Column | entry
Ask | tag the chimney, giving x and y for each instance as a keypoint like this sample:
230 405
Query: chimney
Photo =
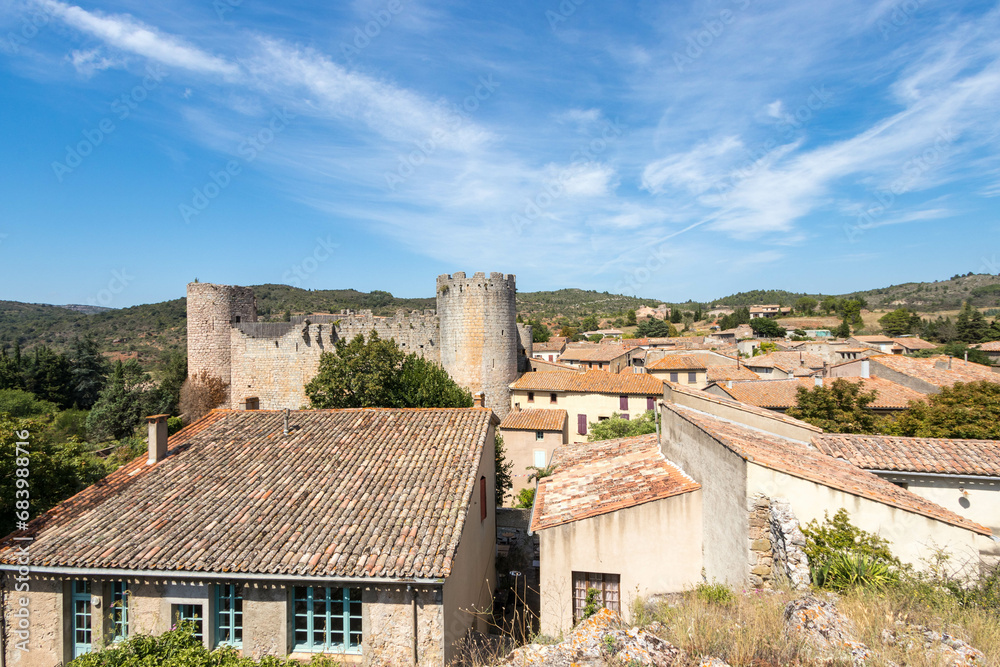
817 381
966 356
729 384
866 368
478 399
157 438
285 429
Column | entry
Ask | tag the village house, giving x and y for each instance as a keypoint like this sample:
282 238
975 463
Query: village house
616 517
586 397
717 494
771 310
878 342
541 366
367 535
960 475
529 438
609 357
549 350
682 368
782 395
926 375
992 350
781 365
911 344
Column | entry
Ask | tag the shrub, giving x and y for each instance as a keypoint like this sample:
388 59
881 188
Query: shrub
200 394
841 555
593 603
20 403
714 593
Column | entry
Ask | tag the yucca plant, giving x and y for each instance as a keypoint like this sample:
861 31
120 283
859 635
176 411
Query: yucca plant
854 570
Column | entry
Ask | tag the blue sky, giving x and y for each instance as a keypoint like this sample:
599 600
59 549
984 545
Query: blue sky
667 149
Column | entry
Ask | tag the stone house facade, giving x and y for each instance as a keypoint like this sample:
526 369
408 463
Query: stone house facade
367 535
530 437
473 334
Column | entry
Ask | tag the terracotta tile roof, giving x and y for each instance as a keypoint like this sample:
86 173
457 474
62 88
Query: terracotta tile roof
876 339
548 346
555 365
928 370
594 478
928 455
723 373
744 407
677 362
606 352
594 382
534 420
856 350
914 343
791 458
359 493
782 394
992 346
786 361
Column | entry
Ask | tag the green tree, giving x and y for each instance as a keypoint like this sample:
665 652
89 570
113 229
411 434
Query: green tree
57 471
377 374
125 400
47 376
675 315
767 328
843 330
20 403
971 325
806 304
539 332
630 318
169 392
736 318
963 410
654 328
590 323
88 370
503 468
850 310
616 427
10 372
898 322
839 408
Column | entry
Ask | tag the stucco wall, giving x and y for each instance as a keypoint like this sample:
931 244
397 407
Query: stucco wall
704 402
913 537
655 548
593 405
388 626
265 620
700 382
521 447
470 586
722 475
47 634
980 501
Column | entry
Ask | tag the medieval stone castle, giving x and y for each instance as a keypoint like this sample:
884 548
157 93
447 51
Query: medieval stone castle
474 335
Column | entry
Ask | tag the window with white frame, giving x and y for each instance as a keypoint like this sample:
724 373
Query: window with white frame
605 592
327 619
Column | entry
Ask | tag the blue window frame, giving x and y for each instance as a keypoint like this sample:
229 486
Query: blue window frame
228 615
190 613
119 611
327 619
82 628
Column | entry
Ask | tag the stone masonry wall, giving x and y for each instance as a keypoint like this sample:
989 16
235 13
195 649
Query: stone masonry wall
479 334
212 310
388 626
473 335
776 545
276 368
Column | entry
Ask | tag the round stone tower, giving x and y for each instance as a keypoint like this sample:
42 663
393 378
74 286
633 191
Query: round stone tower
478 320
212 311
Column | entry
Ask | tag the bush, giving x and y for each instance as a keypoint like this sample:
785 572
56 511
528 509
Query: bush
200 394
841 555
180 648
20 403
714 593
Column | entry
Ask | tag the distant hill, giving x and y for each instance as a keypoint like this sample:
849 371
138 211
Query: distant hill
154 331
983 290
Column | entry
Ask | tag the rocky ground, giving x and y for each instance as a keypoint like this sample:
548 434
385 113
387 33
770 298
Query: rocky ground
827 637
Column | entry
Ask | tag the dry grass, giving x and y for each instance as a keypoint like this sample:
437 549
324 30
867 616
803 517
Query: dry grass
747 630
872 613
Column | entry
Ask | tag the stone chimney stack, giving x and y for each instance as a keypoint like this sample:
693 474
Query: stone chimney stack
478 399
157 438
